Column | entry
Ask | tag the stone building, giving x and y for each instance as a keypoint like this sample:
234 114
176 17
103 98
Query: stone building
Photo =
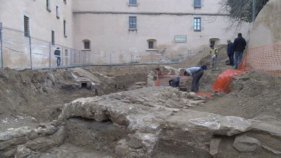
119 31
48 23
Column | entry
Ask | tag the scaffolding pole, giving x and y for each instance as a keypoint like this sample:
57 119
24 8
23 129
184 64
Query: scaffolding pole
1 44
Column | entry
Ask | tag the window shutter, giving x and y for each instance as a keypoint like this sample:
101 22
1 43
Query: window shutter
26 26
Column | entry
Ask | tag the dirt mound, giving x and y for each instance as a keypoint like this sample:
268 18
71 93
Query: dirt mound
148 122
210 75
41 94
252 95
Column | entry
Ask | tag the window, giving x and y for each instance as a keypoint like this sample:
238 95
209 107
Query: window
87 44
64 28
57 12
133 3
48 5
26 26
197 4
197 24
151 43
132 23
53 37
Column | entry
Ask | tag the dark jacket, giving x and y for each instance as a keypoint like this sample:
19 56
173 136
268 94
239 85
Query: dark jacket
230 48
174 82
57 52
239 44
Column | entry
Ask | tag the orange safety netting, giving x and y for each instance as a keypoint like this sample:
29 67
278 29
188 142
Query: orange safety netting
263 59
266 59
205 94
222 84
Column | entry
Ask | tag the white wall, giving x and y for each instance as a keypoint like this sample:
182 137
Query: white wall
179 6
41 20
16 46
105 23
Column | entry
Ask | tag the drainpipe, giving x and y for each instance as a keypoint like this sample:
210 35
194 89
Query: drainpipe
1 44
50 55
30 52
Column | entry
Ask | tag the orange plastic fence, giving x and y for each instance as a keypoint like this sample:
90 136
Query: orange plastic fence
163 79
205 94
222 84
157 82
265 59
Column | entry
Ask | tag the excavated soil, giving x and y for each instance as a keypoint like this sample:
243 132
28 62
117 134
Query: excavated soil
29 97
148 122
253 95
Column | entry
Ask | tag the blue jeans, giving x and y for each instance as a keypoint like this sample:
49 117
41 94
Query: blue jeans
195 80
237 59
231 58
58 61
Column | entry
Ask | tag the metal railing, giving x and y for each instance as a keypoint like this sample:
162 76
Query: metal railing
18 51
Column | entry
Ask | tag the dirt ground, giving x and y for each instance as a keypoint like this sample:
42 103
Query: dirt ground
252 95
31 97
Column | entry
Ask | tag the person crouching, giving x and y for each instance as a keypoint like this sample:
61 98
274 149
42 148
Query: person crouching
196 73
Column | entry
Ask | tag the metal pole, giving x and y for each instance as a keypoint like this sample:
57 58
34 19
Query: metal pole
110 58
131 62
71 57
151 57
79 58
50 55
254 11
131 58
62 56
1 44
30 52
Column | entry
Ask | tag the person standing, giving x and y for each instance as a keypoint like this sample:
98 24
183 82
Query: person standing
196 73
57 55
239 46
230 52
214 56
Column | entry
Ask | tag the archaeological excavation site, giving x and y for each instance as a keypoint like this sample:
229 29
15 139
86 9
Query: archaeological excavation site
153 90
126 112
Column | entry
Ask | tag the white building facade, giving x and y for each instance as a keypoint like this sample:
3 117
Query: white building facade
33 29
119 31
146 30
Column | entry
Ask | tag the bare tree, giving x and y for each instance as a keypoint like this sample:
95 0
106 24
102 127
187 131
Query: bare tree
242 10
